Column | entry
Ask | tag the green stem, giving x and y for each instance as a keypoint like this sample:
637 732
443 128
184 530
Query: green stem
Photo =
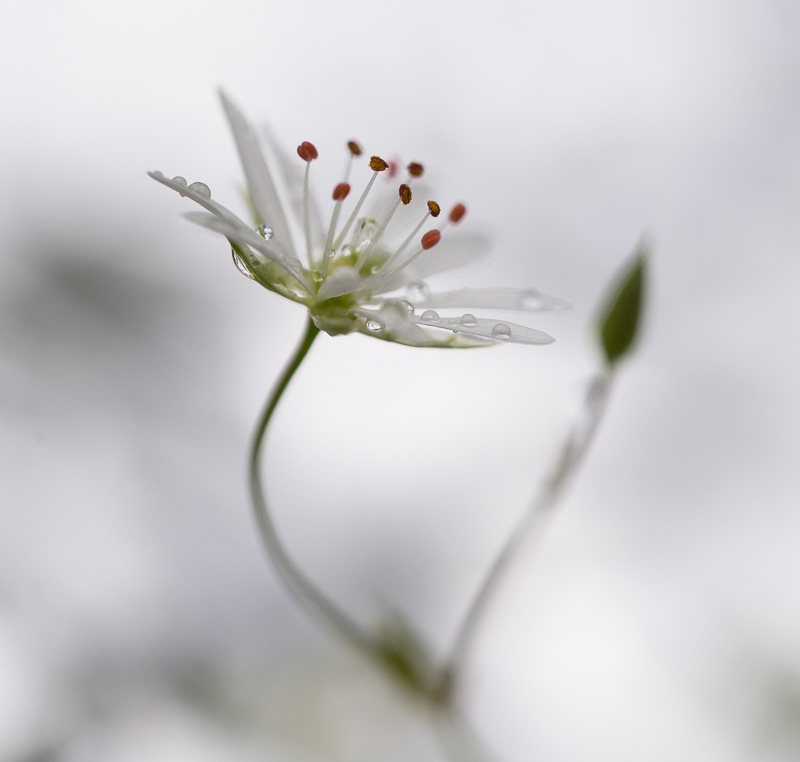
531 523
306 592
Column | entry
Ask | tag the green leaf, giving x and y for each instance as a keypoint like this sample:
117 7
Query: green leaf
621 316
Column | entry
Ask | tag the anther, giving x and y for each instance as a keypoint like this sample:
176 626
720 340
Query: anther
393 165
377 164
430 239
341 191
354 147
405 194
457 212
434 208
415 169
307 151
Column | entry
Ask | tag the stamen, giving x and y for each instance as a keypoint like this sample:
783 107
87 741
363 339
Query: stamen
355 151
377 164
457 213
404 194
430 239
307 152
415 169
340 193
434 208
388 266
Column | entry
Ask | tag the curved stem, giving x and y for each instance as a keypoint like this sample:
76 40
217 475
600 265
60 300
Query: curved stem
531 524
306 592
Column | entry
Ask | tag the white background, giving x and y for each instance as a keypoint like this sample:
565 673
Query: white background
657 621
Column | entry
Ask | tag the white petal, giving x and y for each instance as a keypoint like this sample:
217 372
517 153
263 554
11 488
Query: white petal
262 188
343 280
198 198
456 249
485 328
529 299
397 326
245 234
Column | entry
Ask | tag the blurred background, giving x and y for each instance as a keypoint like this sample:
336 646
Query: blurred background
658 620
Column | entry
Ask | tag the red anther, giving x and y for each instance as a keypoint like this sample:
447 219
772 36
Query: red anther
341 191
377 164
405 194
434 208
354 147
415 169
393 165
457 212
307 151
430 239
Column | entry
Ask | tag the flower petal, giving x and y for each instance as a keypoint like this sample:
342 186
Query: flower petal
485 328
262 188
205 201
244 234
528 299
396 325
456 249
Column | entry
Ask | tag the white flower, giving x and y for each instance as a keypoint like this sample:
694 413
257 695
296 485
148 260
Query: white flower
363 284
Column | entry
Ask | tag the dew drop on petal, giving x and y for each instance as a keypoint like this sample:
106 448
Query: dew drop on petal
468 320
241 266
317 277
430 316
374 269
403 306
501 331
265 231
417 291
178 180
374 325
528 299
201 189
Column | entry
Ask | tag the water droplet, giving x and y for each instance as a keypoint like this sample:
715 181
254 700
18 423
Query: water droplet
265 231
401 305
501 331
529 299
295 263
181 181
468 320
374 269
417 291
430 316
241 266
374 325
366 228
317 277
201 189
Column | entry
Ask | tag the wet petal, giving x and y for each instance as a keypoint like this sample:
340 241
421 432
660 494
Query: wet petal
495 330
528 299
262 188
205 201
391 324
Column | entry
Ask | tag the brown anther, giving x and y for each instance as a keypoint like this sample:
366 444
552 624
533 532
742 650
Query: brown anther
307 151
457 212
430 239
341 191
377 164
415 169
434 208
354 148
405 194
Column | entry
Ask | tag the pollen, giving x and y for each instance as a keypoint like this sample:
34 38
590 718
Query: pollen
405 194
434 208
415 169
341 191
307 151
457 213
354 147
377 164
430 239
